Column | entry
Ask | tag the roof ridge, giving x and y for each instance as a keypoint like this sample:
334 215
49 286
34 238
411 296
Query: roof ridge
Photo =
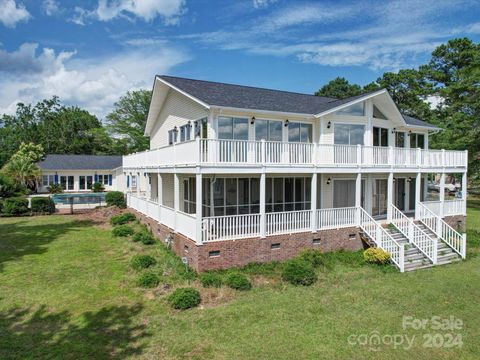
248 86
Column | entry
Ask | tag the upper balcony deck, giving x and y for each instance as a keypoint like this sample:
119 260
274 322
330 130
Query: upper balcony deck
214 153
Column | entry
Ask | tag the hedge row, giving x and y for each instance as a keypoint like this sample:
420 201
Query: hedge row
17 206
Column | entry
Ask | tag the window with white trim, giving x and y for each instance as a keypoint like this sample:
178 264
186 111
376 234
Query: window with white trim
348 134
417 140
357 109
172 137
299 132
185 132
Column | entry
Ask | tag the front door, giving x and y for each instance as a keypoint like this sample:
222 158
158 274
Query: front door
400 193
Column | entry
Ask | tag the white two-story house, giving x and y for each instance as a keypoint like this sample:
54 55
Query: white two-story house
239 174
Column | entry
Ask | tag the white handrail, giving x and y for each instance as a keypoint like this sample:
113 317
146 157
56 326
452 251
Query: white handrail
457 241
382 239
230 227
427 245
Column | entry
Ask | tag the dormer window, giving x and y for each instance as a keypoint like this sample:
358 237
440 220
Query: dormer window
377 114
357 109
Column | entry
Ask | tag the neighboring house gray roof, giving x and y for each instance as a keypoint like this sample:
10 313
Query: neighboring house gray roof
248 97
80 162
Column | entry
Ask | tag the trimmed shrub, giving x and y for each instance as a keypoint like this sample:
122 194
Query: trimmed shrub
15 206
43 205
210 279
376 256
122 230
121 219
115 198
97 187
55 189
238 281
148 280
299 272
142 262
313 257
144 237
184 298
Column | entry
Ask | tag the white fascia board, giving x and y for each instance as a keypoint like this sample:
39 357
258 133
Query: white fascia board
347 104
258 111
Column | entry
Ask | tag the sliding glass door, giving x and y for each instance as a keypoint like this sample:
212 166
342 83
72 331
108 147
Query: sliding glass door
379 201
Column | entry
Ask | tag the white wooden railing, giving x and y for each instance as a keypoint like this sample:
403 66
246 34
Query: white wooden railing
217 228
457 241
336 218
450 207
215 151
426 244
288 222
382 238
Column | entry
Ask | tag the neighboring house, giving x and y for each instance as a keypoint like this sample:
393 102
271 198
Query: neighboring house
77 173
239 174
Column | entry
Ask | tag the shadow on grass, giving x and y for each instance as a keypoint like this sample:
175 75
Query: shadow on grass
105 334
21 238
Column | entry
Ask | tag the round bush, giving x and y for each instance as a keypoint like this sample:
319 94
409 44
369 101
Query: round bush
121 219
313 257
97 187
15 206
144 237
42 205
115 198
238 281
148 280
211 280
299 272
142 261
184 298
376 256
122 230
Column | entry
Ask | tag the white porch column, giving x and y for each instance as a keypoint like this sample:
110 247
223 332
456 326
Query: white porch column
368 137
369 194
313 201
389 196
198 208
442 194
160 195
149 186
358 196
418 191
464 192
425 187
176 196
263 217
139 180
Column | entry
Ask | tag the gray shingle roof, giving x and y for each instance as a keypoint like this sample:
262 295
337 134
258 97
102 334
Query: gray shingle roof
248 97
80 162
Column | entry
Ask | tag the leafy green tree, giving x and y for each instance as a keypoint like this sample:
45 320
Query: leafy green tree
23 171
30 151
126 123
339 88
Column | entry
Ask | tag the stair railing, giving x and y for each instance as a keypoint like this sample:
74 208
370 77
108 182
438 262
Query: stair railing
415 235
457 241
382 238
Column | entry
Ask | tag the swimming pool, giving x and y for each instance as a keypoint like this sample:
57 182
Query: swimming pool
79 198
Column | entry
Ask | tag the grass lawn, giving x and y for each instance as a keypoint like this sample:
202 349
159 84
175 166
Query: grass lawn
67 291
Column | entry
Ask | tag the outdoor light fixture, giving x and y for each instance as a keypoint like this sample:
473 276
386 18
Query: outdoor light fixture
394 130
329 125
253 120
175 130
189 123
329 180
410 133
409 179
286 122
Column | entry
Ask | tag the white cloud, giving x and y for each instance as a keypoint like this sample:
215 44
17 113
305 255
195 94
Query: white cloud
147 10
257 4
94 84
11 13
51 7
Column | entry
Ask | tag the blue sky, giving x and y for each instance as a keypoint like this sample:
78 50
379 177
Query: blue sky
91 52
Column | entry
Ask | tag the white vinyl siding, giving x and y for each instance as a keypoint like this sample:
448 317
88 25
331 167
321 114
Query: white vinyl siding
177 111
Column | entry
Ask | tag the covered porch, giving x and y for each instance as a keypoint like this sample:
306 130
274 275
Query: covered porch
259 205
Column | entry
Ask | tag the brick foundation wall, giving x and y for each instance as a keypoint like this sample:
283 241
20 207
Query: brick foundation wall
234 253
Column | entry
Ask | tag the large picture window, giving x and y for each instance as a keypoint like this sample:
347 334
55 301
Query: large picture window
348 134
269 130
357 109
232 128
299 132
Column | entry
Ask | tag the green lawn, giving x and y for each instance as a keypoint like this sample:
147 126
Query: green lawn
67 291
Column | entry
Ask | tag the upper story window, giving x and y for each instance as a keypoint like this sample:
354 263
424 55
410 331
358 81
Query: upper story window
232 128
400 139
380 136
377 114
270 130
185 132
348 134
357 109
201 129
299 132
172 136
417 140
